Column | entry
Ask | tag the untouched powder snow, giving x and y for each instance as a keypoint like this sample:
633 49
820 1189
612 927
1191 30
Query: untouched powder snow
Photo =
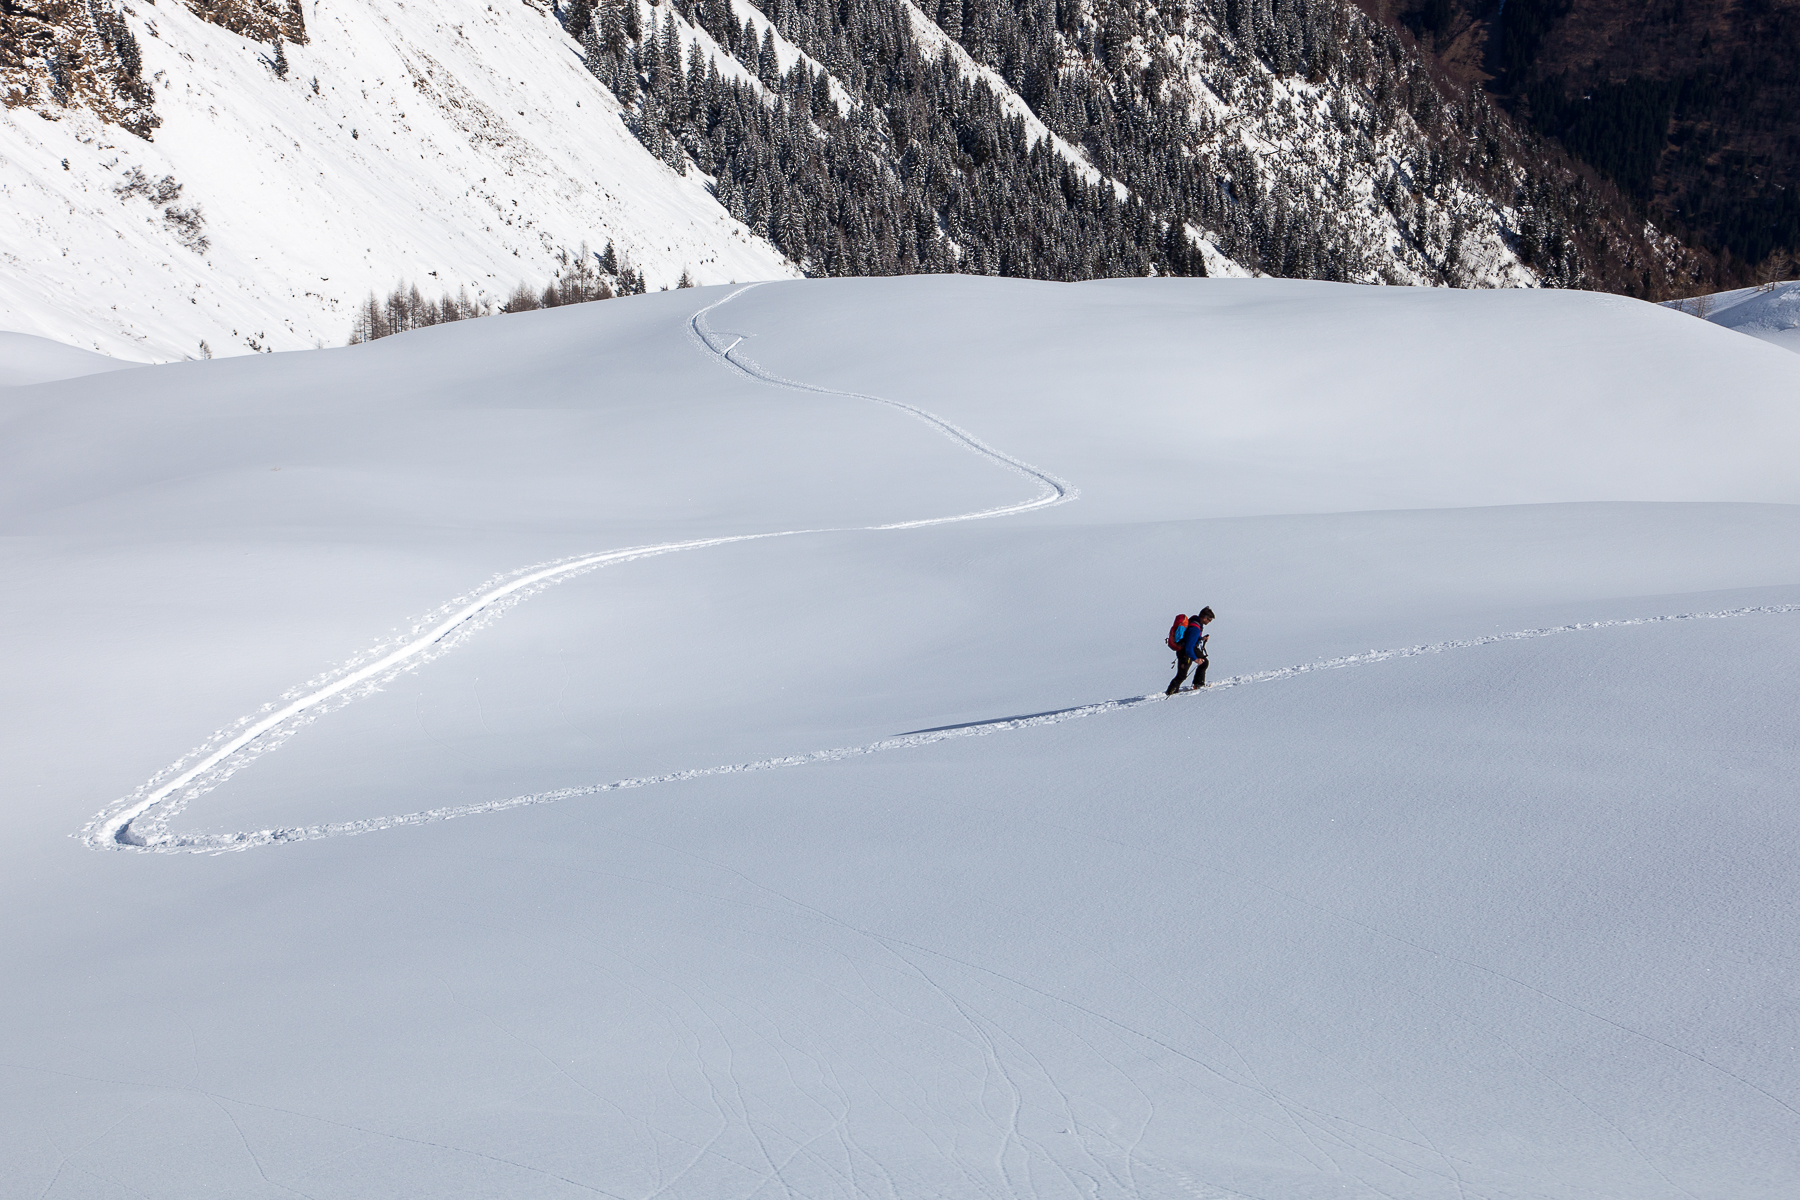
1474 880
26 359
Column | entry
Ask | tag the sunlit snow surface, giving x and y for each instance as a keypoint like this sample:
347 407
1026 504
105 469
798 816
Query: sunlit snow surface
1510 919
1770 313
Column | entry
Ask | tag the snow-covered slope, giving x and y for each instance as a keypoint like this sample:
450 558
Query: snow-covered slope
1309 142
1770 313
458 144
474 147
1368 172
1475 880
25 359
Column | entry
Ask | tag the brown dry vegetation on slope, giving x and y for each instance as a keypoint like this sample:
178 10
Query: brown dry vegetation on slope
1690 108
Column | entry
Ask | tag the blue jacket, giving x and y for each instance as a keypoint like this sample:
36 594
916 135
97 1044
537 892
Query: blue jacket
1192 644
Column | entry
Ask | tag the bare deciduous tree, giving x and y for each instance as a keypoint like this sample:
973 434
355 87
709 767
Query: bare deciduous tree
581 276
1774 269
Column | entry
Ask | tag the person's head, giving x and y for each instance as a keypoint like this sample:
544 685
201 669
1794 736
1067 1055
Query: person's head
1204 616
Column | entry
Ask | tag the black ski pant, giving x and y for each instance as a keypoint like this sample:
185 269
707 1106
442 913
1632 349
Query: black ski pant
1182 662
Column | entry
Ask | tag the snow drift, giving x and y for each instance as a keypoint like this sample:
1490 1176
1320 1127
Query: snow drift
25 359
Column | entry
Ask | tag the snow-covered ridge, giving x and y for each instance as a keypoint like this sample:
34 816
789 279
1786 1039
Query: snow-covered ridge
787 55
25 359
458 144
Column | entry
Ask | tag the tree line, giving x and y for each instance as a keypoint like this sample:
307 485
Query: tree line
870 153
582 276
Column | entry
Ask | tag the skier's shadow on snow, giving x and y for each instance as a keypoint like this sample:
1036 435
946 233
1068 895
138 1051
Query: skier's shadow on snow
1122 702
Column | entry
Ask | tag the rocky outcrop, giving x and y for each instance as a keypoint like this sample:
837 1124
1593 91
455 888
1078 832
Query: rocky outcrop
263 20
57 55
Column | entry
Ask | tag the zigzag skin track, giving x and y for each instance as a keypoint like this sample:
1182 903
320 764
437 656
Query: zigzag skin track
139 821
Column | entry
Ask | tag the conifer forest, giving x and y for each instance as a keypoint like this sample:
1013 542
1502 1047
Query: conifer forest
1299 137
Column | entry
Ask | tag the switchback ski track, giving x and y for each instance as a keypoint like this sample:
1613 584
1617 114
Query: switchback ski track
140 820
206 843
230 750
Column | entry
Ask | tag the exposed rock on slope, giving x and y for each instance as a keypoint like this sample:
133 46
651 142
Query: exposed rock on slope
455 145
1687 106
264 20
1298 139
465 148
62 54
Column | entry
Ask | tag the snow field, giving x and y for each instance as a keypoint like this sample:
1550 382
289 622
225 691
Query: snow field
1504 920
132 825
256 734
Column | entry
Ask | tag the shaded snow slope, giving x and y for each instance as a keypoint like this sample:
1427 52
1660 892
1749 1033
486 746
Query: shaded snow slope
1772 314
455 145
25 359
1507 919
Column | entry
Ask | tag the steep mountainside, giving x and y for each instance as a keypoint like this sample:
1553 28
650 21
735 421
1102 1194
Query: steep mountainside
460 144
301 162
1687 105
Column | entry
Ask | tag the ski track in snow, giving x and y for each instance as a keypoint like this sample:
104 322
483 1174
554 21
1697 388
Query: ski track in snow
159 799
216 843
230 750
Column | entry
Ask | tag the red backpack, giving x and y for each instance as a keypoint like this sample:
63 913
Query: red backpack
1177 630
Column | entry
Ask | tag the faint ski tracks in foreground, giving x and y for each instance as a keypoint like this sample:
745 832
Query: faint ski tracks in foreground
165 794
